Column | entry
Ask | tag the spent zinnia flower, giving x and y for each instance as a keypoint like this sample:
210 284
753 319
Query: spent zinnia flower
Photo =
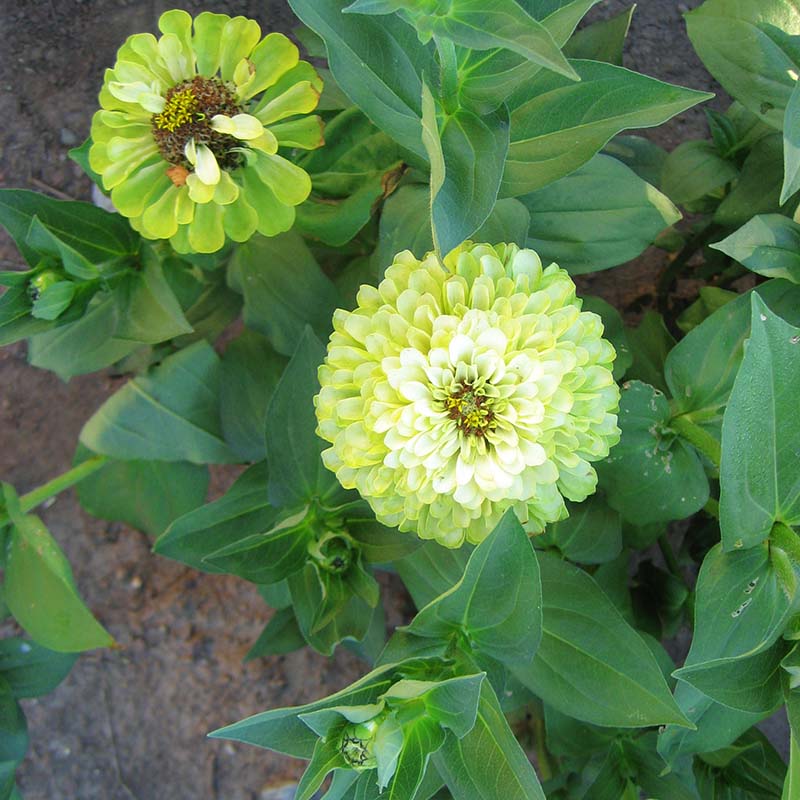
188 132
458 389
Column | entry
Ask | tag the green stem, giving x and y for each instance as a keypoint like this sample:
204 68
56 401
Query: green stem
50 489
712 507
542 756
669 556
698 437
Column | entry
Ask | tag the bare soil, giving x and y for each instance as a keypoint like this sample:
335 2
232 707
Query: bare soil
130 724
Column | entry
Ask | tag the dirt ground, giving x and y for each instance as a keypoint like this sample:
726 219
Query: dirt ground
130 724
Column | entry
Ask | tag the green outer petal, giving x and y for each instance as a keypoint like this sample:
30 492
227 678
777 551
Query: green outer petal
291 184
159 219
206 233
129 196
180 241
272 58
240 220
274 217
302 98
184 211
179 23
307 133
206 41
143 47
119 170
239 36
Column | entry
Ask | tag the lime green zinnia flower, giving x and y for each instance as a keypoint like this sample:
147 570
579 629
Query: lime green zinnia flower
457 390
190 125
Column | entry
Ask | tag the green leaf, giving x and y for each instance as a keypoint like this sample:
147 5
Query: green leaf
650 343
711 299
94 234
85 345
281 635
651 475
694 170
148 310
211 311
701 368
482 25
13 728
488 762
791 146
496 603
377 63
282 730
768 245
644 157
297 473
760 435
473 153
80 155
284 289
564 124
601 215
592 534
31 670
791 788
169 414
431 570
54 300
591 664
421 739
377 543
48 243
613 330
327 756
147 495
243 511
757 191
640 756
251 370
602 40
741 45
40 591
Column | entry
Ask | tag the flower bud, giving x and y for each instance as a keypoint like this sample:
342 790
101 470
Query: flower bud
358 743
333 552
39 283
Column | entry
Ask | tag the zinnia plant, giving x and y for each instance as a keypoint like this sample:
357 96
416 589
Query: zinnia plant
188 134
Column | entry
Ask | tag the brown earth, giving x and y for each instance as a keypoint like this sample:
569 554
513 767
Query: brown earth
131 723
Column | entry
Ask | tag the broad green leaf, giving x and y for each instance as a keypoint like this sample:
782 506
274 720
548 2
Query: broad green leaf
40 592
406 225
741 45
54 300
487 79
31 670
701 368
148 310
282 730
599 216
95 234
377 543
243 511
717 726
757 191
297 473
169 414
497 602
591 664
711 299
284 289
49 243
602 40
592 534
468 153
80 155
641 757
13 727
768 245
280 635
327 756
650 343
212 311
760 435
791 788
251 370
694 170
267 557
147 495
421 739
431 570
488 762
378 63
644 157
85 345
651 475
482 25
791 146
564 124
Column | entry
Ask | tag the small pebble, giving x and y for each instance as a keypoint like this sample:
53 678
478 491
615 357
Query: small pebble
68 138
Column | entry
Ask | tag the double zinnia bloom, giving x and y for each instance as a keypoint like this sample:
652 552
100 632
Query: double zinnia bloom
189 128
459 389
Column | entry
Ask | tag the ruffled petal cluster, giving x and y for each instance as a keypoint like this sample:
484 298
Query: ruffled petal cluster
189 128
458 389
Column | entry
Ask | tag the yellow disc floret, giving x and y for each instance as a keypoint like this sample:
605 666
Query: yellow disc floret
178 110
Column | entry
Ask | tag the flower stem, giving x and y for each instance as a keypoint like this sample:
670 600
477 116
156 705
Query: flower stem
542 756
50 489
698 437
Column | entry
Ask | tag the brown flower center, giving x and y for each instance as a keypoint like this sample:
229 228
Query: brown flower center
471 410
